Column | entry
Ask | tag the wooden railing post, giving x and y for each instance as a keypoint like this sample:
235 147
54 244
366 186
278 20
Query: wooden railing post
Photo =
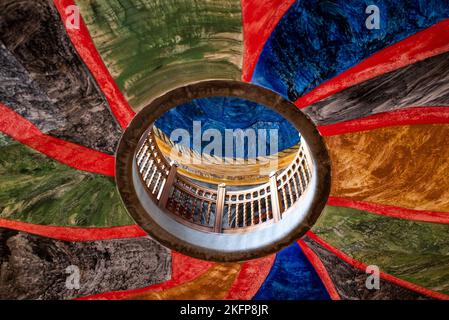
161 178
221 195
308 158
165 190
275 200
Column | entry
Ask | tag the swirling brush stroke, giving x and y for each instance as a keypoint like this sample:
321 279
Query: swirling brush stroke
316 40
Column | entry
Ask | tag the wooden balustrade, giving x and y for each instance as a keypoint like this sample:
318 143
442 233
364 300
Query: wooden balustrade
153 167
221 210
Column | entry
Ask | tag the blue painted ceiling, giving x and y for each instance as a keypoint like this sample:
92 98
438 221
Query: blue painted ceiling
317 40
228 113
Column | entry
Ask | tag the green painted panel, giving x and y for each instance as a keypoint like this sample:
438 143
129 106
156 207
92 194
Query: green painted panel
152 46
414 251
37 189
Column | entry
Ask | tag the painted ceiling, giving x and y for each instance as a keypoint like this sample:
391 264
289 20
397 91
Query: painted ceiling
230 113
379 98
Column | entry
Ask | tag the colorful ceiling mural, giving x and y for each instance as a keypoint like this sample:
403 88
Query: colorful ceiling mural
151 47
379 97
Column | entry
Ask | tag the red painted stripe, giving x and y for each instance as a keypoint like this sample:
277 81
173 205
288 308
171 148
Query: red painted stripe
251 277
184 269
422 45
362 266
88 52
68 153
320 269
391 211
75 234
259 20
403 117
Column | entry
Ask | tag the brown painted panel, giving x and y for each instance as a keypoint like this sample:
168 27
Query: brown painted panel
404 166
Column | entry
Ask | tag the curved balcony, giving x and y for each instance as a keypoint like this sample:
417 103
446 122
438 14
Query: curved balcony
205 218
215 170
220 210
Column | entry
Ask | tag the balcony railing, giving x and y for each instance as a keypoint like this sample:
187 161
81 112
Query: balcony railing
220 210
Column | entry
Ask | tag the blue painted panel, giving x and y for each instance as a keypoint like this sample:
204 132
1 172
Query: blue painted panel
228 113
317 40
292 277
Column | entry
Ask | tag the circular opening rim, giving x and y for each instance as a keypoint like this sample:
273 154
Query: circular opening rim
213 88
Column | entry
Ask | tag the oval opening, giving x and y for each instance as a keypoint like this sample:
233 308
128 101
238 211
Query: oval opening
223 171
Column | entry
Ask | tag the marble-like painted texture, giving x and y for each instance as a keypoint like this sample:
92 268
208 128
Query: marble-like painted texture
232 113
43 79
414 251
403 166
351 282
292 277
18 90
33 267
425 83
37 189
153 46
214 284
317 40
